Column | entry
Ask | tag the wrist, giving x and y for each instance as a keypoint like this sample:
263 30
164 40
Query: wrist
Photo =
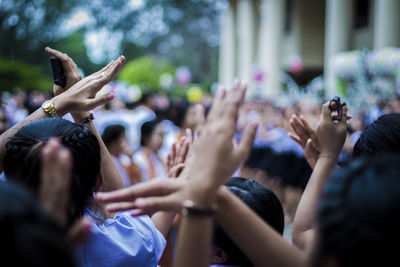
202 193
60 105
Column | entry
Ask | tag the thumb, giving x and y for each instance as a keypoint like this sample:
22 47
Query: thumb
245 145
100 100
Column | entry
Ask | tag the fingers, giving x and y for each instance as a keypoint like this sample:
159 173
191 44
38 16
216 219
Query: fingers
175 170
98 101
246 143
298 128
296 138
154 187
174 153
79 232
234 100
55 181
147 205
344 117
326 112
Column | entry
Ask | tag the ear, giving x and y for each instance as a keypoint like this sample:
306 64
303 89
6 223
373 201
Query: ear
218 256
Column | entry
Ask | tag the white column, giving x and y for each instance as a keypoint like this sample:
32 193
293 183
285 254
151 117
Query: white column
338 25
271 28
227 47
245 28
386 23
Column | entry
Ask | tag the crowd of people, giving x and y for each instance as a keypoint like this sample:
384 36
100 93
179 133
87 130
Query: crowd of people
89 180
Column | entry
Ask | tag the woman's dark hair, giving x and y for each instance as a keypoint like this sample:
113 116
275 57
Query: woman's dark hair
29 238
22 160
263 202
180 108
147 130
383 135
359 213
112 133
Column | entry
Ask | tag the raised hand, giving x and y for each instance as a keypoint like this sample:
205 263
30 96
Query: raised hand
305 136
54 192
331 134
214 160
82 95
70 69
177 157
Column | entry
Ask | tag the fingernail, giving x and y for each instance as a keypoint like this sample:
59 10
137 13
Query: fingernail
136 213
110 96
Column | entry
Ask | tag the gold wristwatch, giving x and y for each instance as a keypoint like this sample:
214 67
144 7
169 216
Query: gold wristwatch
48 107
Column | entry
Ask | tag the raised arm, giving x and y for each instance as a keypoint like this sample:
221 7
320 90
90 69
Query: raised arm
331 136
112 179
77 98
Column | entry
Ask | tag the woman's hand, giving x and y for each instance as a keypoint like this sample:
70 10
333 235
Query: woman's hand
215 157
147 198
305 136
70 69
54 192
81 96
177 157
331 134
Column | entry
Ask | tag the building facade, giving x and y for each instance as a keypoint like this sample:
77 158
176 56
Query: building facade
260 39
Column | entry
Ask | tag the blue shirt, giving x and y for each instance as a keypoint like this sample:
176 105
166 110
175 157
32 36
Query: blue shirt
122 241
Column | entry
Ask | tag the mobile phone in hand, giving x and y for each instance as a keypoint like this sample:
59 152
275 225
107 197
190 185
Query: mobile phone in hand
336 105
58 72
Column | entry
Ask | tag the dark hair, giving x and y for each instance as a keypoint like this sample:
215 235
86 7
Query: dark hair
29 238
180 108
263 202
112 133
383 135
22 160
147 130
359 213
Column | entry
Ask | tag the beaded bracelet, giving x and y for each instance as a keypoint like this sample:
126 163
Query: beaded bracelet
188 207
87 119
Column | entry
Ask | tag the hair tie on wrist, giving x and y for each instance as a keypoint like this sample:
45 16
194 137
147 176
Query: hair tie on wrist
87 119
190 208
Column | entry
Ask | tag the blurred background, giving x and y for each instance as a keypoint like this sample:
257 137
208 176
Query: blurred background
294 55
284 49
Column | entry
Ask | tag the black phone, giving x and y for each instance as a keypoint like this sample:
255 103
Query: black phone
58 72
338 109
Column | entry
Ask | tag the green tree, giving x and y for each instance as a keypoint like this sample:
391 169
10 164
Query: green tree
145 72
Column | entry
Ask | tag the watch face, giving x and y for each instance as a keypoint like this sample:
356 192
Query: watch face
46 104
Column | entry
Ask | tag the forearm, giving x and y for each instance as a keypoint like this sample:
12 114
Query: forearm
38 114
162 221
195 231
304 222
194 242
112 177
263 245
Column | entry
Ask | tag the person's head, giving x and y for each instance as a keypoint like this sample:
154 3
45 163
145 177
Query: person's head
22 160
383 135
3 120
29 238
186 115
263 202
114 138
152 135
359 214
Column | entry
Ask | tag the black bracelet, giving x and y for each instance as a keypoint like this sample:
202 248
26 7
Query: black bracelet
87 119
190 208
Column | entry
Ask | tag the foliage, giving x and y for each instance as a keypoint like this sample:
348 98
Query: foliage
145 72
17 74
